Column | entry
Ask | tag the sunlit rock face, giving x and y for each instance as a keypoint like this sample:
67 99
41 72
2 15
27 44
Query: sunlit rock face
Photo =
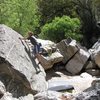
18 70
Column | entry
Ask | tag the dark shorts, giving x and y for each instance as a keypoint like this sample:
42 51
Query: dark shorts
36 49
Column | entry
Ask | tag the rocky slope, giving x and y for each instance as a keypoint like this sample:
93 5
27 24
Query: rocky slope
23 78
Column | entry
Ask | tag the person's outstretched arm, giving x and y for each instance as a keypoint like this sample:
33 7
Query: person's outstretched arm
22 38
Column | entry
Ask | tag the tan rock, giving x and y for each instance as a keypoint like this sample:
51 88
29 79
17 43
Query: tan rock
48 61
95 53
90 65
67 48
76 64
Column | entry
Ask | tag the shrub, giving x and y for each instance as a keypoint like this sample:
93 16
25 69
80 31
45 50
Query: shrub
61 28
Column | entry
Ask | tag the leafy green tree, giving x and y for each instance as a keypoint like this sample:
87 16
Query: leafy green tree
19 14
49 9
86 11
96 7
61 28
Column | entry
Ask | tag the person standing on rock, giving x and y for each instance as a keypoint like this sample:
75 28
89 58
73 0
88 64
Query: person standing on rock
33 40
35 49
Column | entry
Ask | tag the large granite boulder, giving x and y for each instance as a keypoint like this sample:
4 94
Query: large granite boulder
18 70
75 65
95 53
68 48
48 61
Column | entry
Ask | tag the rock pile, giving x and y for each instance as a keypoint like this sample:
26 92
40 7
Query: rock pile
22 78
77 58
73 56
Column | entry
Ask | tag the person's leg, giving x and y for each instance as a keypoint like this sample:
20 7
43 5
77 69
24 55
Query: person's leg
34 51
36 54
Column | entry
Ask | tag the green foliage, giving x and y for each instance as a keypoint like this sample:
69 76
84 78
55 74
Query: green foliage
61 28
49 9
96 7
88 12
21 15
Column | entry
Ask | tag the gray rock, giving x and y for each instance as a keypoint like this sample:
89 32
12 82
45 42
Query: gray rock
92 93
59 86
93 72
67 48
2 89
90 65
28 97
95 53
96 84
18 70
76 64
8 96
48 61
48 95
86 75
